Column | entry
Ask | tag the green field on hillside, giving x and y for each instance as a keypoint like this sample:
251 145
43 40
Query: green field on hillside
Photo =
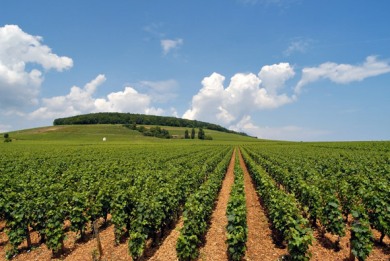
54 174
92 134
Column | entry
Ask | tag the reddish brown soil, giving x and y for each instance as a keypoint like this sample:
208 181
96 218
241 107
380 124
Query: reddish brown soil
73 250
167 251
2 224
215 247
260 245
85 251
323 248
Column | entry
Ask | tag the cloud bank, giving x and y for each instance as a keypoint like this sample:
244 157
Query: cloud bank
23 57
343 73
81 101
246 93
24 60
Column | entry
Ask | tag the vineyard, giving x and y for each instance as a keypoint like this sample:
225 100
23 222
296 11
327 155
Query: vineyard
157 200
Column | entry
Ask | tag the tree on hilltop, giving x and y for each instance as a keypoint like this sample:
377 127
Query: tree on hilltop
7 138
201 134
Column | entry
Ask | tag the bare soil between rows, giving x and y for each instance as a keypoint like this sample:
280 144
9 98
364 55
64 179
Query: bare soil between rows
215 247
260 244
167 251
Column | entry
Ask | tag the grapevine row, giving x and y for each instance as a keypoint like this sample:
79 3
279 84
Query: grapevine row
237 229
319 204
332 183
283 211
197 212
40 191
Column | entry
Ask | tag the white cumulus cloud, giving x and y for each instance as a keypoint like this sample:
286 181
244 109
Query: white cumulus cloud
82 100
18 84
343 73
128 100
246 93
168 44
206 104
274 76
77 101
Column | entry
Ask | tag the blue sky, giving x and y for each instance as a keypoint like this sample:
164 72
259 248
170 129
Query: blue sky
276 69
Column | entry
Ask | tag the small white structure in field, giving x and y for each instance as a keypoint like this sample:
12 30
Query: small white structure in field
104 139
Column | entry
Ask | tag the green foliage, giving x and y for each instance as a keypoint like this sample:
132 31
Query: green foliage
201 134
378 209
157 131
319 201
142 119
197 212
193 133
361 235
330 180
331 217
237 229
121 210
187 246
283 212
186 134
132 126
49 176
53 230
77 215
137 244
16 232
142 187
115 134
7 137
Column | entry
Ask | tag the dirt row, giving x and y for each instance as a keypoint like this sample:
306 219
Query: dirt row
260 244
215 247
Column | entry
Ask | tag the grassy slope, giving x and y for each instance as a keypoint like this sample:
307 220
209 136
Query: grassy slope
92 134
116 134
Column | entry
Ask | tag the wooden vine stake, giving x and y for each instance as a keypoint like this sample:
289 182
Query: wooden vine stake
99 244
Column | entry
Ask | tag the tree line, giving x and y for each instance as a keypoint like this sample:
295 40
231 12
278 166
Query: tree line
157 131
201 134
163 133
139 119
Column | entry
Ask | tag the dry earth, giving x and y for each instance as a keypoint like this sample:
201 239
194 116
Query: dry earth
259 246
215 247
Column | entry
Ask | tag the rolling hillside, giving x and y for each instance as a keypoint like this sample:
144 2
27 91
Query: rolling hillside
114 133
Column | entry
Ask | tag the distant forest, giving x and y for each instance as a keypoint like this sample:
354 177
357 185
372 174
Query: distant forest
139 119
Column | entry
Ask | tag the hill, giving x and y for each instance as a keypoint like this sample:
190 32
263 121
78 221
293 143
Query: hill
139 119
114 133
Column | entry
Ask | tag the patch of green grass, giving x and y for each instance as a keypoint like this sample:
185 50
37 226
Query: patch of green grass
76 134
93 134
